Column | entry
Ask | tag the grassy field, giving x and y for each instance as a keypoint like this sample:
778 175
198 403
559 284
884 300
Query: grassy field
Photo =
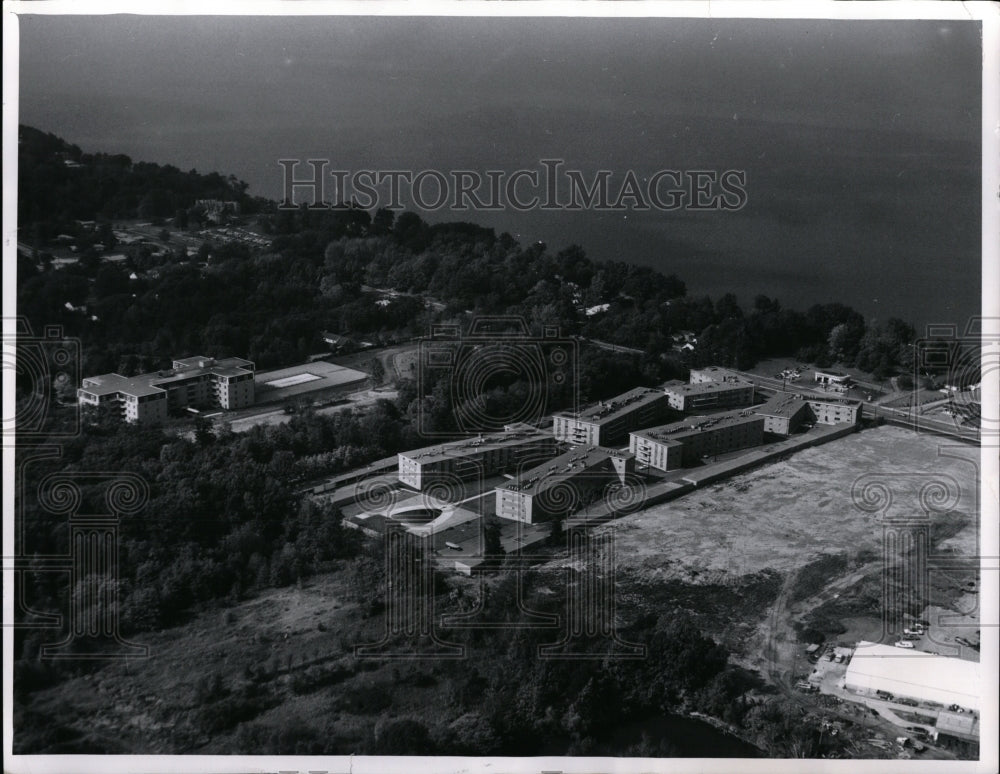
918 397
263 643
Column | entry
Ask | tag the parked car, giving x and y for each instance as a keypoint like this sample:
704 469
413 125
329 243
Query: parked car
903 644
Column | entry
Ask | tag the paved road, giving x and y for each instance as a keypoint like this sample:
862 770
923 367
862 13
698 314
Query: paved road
872 410
606 345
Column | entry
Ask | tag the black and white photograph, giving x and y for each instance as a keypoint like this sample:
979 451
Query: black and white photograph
500 387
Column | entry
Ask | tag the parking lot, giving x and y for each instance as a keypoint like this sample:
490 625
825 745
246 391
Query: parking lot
916 719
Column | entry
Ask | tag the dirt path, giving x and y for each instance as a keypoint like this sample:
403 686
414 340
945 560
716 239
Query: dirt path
401 364
780 638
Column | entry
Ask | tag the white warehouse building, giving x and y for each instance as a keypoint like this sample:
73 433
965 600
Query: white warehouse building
914 674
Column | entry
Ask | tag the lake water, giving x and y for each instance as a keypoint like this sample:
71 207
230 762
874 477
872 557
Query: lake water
860 141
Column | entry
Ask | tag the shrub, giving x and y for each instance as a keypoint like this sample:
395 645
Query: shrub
403 737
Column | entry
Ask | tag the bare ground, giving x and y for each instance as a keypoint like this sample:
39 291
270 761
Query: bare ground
785 514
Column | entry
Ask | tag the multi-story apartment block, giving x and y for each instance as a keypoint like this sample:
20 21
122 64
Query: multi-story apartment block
786 412
834 411
196 382
609 422
709 394
562 486
485 455
713 374
684 443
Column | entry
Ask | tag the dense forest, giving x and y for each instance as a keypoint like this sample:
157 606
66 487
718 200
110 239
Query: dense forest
59 184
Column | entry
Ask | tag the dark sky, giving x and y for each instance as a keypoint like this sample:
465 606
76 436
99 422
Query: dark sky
861 140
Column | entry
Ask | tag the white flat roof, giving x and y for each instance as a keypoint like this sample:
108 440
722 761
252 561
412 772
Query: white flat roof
289 381
915 674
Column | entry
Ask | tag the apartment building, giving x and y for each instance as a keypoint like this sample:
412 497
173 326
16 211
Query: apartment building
709 394
609 422
195 382
684 443
482 456
834 411
563 485
714 374
785 413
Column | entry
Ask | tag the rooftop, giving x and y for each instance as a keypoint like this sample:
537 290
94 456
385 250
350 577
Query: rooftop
149 384
228 371
719 372
552 472
513 435
200 361
105 384
957 725
784 404
675 431
607 410
917 673
832 399
700 388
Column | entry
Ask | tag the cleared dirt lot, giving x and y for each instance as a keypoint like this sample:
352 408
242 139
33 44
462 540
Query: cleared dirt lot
785 514
399 361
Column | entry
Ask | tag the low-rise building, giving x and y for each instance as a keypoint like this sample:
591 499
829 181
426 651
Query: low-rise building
609 422
216 208
563 485
196 382
957 731
684 443
482 456
833 378
914 674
